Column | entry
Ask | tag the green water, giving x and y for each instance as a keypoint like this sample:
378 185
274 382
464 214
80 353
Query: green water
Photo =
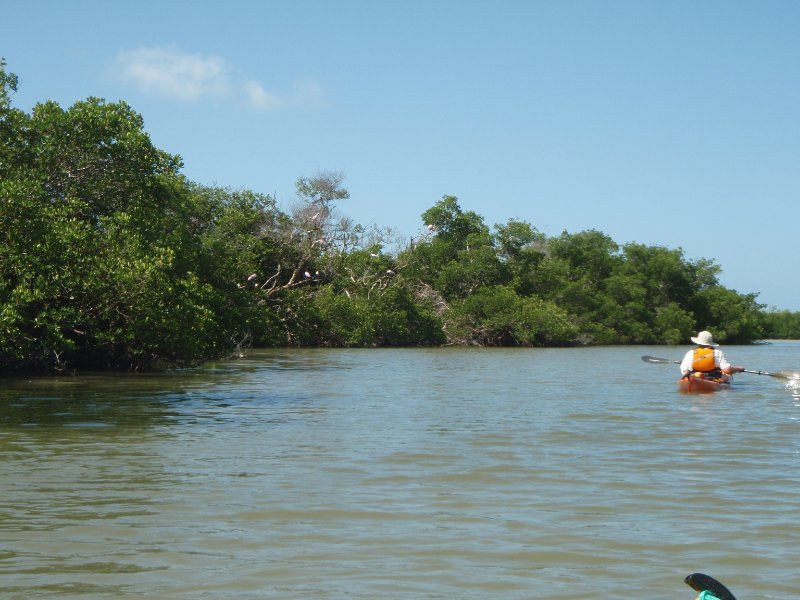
364 474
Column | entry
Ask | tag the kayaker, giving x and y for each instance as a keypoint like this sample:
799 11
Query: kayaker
707 359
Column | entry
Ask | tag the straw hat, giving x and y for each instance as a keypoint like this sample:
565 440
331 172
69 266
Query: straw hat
704 338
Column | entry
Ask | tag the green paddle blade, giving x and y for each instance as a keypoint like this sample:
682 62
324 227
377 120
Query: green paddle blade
701 582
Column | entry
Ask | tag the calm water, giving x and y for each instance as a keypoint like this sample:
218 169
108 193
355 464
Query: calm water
366 474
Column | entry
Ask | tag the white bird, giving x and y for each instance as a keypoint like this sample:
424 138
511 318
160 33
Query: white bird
373 255
308 275
389 272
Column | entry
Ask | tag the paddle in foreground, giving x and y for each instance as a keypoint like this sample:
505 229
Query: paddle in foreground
709 588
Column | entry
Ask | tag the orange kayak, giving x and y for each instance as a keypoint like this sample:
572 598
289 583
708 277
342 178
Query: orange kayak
702 385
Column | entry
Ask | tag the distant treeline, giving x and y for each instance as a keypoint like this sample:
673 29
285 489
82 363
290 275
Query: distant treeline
111 259
781 325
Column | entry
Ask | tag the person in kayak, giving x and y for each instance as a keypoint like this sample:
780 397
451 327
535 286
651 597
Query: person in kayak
707 360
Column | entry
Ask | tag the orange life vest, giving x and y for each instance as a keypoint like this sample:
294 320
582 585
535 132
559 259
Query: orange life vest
703 360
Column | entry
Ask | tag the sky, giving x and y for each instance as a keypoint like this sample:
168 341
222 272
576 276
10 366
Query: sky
667 123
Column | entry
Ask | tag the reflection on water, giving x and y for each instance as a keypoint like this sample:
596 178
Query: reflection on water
511 474
793 386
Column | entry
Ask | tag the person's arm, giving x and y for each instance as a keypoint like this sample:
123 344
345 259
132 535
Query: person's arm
686 363
725 366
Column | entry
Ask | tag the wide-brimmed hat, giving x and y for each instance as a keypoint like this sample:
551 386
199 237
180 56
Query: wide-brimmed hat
704 338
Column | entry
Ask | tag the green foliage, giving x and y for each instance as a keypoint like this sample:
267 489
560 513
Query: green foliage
475 268
461 258
521 249
498 316
673 324
452 225
781 324
591 255
8 85
604 293
647 297
733 317
102 265
367 304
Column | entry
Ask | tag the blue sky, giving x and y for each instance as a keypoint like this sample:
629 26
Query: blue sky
673 123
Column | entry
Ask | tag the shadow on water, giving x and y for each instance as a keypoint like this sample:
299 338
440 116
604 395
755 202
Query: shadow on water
87 401
135 401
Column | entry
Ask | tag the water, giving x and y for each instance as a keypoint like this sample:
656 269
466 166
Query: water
432 474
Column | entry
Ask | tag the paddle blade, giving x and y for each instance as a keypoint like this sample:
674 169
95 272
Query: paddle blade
793 375
700 582
790 375
660 361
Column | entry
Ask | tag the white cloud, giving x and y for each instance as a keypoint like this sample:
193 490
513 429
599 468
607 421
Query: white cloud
261 98
171 72
307 93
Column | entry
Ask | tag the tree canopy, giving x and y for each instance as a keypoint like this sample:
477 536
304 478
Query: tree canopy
111 259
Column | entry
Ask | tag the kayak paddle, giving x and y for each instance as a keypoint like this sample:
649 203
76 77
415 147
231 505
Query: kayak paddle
779 374
700 582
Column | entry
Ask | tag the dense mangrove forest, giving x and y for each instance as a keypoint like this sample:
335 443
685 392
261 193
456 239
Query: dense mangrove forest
111 259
